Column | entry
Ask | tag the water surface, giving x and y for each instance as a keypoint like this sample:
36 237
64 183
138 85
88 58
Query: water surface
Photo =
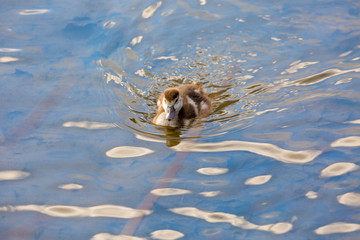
276 159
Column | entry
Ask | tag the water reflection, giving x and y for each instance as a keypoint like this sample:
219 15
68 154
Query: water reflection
337 227
8 59
108 236
264 149
351 199
169 192
10 50
200 14
212 171
295 66
237 221
71 186
89 125
210 193
112 211
339 168
343 184
258 180
136 40
211 232
311 195
172 135
149 11
33 11
128 152
352 141
314 79
13 175
357 121
214 182
212 159
166 234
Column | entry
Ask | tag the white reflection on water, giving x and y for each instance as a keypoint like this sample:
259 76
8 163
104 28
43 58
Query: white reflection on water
10 50
109 24
351 199
112 211
319 77
212 171
258 180
352 141
166 234
337 227
295 66
13 175
169 192
71 186
342 81
128 152
172 58
7 59
264 149
338 169
149 11
237 221
89 125
136 40
311 195
357 121
210 193
34 11
108 236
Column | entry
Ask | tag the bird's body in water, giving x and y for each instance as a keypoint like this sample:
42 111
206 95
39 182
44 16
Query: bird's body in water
179 106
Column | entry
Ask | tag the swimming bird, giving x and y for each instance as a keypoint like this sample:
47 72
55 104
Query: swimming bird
179 106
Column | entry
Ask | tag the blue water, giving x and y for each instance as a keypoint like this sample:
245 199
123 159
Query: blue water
278 158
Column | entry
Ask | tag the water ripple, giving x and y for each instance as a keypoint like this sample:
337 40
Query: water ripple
63 211
8 59
169 192
212 171
352 141
166 234
13 175
128 152
337 227
264 149
34 11
339 168
258 180
108 236
237 221
351 199
71 186
149 11
88 125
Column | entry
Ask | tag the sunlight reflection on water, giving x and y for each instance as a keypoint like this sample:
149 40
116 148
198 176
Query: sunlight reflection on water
112 211
13 175
277 157
265 149
237 221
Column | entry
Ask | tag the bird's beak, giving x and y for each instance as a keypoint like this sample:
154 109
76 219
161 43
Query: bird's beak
170 113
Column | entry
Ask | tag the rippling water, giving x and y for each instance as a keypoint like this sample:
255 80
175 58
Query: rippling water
276 159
